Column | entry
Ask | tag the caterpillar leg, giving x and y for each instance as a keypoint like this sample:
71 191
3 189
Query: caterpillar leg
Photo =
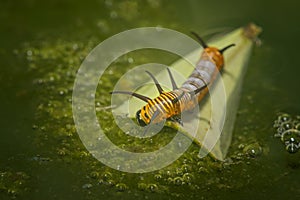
176 118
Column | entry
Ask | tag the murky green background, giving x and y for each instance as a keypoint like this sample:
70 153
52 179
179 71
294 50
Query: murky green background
42 44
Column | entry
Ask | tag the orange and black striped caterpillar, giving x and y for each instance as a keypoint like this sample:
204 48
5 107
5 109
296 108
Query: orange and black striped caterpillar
169 105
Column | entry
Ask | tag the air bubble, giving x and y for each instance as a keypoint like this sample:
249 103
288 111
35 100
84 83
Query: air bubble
253 150
170 181
40 81
34 127
113 14
121 187
178 181
292 148
158 177
284 117
29 53
202 170
61 152
186 168
179 172
280 130
152 187
276 124
107 176
168 173
287 125
142 186
110 183
290 135
297 126
187 177
94 174
87 186
75 47
288 129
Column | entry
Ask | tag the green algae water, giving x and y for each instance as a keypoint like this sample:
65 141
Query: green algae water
42 46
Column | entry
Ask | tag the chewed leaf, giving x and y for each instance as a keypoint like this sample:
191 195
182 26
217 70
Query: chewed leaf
211 136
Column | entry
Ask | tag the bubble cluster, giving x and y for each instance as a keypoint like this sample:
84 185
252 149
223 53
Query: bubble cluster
288 130
13 183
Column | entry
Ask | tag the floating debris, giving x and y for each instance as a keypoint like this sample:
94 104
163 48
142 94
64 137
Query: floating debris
288 130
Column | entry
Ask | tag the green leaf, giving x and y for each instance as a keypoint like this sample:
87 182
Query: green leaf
209 136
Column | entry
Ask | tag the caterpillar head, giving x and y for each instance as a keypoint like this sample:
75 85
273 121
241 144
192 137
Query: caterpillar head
139 118
213 53
216 55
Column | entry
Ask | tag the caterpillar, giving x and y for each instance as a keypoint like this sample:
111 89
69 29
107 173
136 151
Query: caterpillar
169 105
